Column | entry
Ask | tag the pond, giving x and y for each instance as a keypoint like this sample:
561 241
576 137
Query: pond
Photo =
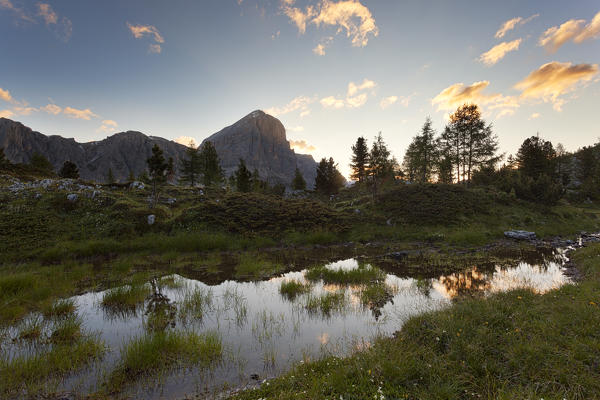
262 328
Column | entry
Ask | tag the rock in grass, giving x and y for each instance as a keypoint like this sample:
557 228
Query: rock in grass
72 197
137 185
151 219
520 235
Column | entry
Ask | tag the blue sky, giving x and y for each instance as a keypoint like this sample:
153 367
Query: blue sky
330 70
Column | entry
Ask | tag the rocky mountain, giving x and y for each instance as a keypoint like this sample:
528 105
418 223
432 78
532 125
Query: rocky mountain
258 138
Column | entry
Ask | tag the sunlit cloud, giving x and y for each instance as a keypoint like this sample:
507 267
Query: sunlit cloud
62 27
349 16
332 102
6 114
108 126
353 88
458 94
52 109
187 141
140 31
512 24
24 110
296 129
553 80
498 52
299 103
575 30
86 114
46 12
301 145
19 12
388 101
535 116
354 97
5 95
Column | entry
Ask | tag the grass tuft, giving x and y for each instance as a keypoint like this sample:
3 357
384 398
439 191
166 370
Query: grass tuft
365 273
293 288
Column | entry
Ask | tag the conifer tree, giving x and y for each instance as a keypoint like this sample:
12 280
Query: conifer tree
329 180
242 177
360 160
69 170
3 160
421 156
157 167
41 163
110 177
190 166
381 165
210 165
298 183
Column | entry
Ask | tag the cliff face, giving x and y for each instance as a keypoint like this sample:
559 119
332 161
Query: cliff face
258 138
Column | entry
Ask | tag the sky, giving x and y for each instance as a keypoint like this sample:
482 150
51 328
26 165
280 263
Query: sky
330 70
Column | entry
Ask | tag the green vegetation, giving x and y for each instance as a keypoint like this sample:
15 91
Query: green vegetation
196 303
152 354
365 273
67 331
514 345
326 303
31 329
292 288
125 298
60 309
253 267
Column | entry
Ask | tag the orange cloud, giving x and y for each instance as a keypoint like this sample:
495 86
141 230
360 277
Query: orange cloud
498 52
52 109
302 145
574 30
140 31
388 101
458 94
86 114
5 95
299 103
511 24
354 98
63 28
6 114
186 141
552 80
19 12
46 12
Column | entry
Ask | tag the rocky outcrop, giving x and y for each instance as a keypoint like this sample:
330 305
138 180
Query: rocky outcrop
260 140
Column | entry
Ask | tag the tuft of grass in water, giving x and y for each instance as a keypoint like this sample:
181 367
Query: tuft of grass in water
292 288
171 282
326 303
60 309
154 353
376 295
23 374
31 329
125 298
365 273
196 303
67 331
253 267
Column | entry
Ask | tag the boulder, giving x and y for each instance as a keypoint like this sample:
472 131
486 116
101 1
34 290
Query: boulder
520 235
72 197
151 219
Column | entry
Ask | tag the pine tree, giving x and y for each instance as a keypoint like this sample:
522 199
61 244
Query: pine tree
69 170
170 169
329 180
191 166
110 177
360 160
421 156
242 178
381 165
210 165
41 163
131 177
535 157
157 168
255 183
298 183
3 160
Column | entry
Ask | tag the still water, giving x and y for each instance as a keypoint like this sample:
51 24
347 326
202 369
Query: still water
265 333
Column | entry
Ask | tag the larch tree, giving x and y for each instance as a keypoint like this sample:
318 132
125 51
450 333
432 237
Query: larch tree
190 166
298 183
157 168
360 160
421 157
210 165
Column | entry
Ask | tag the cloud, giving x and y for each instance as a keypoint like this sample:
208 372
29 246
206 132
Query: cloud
535 116
498 52
108 126
458 94
574 30
354 98
140 31
555 79
19 12
52 109
5 95
62 27
24 110
186 141
6 114
347 15
388 101
296 129
511 24
302 145
299 103
86 114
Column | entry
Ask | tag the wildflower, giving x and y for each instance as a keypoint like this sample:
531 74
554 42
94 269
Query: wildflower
592 303
519 297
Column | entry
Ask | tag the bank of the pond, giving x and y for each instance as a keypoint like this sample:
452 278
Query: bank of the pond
513 345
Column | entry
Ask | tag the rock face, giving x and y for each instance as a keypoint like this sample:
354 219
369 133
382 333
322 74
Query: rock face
520 235
259 139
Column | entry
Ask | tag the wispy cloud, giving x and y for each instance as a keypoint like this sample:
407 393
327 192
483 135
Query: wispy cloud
553 80
575 30
6 114
535 116
86 114
19 12
512 24
62 27
140 31
355 96
52 109
388 101
458 94
5 95
302 146
108 126
296 129
498 52
300 103
349 16
320 49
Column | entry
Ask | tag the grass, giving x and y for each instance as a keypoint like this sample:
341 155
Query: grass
326 303
376 295
513 345
290 289
67 331
365 273
28 375
31 329
152 354
60 309
196 302
125 298
253 267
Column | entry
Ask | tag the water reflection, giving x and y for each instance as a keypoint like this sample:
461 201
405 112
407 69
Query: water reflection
265 332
